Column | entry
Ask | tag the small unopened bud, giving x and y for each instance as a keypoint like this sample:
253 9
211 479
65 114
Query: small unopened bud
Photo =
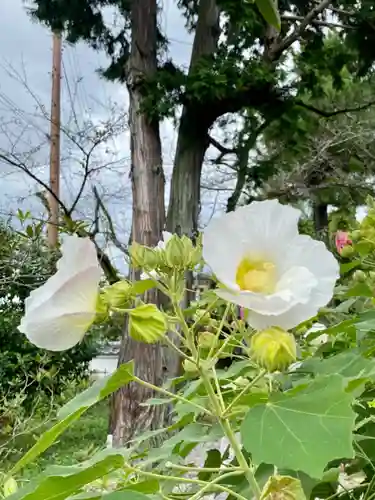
347 252
118 295
283 488
102 309
355 235
241 381
207 340
359 276
274 348
10 487
143 257
179 252
190 367
202 317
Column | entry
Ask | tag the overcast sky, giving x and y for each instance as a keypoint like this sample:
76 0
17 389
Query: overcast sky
25 86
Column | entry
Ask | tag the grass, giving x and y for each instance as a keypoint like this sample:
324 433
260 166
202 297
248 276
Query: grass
75 445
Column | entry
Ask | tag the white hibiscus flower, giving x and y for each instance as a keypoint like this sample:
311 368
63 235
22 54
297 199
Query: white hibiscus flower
160 246
59 313
267 267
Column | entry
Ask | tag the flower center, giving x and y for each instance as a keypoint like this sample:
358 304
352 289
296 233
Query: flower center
257 276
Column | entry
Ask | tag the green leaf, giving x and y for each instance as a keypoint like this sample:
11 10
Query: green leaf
147 324
125 495
348 266
355 165
74 409
30 231
140 287
99 390
150 486
349 364
360 290
270 13
70 480
302 429
213 460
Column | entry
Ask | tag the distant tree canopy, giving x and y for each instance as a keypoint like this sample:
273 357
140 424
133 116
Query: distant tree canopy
248 68
286 81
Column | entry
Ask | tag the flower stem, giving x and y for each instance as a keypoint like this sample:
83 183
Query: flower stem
217 487
256 379
225 425
211 484
171 395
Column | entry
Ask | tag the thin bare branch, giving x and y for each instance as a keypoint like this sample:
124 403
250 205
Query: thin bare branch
297 32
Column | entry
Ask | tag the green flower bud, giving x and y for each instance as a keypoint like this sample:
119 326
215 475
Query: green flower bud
274 348
207 340
102 310
118 295
190 367
147 324
143 257
283 488
355 235
10 487
241 382
178 252
347 252
196 256
359 276
372 275
202 317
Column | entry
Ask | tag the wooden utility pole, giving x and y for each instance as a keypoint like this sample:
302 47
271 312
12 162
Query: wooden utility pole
52 228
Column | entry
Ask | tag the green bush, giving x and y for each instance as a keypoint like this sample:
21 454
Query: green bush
25 264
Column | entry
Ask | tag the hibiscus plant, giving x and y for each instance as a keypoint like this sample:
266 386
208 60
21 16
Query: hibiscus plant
290 418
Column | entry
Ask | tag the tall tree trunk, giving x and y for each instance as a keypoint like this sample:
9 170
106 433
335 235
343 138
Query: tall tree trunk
320 216
192 142
128 416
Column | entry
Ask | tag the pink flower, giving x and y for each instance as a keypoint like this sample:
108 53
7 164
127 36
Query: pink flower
342 240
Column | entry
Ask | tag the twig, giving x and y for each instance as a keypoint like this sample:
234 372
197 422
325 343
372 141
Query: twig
293 37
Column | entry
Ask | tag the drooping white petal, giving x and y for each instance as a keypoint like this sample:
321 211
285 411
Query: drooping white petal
296 314
261 228
56 333
58 314
77 254
294 287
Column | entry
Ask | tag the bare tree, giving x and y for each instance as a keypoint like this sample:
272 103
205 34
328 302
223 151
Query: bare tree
88 156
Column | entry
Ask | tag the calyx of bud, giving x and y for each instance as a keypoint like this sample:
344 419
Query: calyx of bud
274 349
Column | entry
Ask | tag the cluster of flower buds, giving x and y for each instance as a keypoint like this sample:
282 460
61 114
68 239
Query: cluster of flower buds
177 253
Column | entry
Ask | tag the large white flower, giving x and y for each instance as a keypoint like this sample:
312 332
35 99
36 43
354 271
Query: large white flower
58 314
267 267
160 246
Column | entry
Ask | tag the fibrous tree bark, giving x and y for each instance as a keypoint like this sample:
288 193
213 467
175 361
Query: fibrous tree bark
193 139
129 417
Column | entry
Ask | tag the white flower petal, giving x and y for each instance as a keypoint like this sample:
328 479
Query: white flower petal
294 287
295 315
57 333
261 228
269 231
166 237
58 314
150 275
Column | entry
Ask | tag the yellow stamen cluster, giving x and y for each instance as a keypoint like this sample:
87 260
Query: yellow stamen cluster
256 276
